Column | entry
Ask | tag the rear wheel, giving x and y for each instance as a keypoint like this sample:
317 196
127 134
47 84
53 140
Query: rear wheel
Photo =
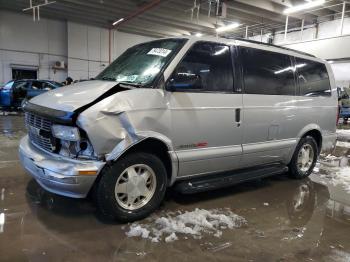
304 158
132 187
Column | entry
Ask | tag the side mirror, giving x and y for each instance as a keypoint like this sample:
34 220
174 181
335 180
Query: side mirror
183 81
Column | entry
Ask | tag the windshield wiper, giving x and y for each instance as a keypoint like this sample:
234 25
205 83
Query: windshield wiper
106 78
130 84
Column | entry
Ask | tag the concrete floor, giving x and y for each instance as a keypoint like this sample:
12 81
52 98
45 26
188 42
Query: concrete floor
288 220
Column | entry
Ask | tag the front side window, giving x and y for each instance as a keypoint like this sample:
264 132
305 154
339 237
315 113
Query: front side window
207 67
140 64
313 78
267 73
21 85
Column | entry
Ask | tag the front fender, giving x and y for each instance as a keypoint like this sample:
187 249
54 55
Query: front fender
132 139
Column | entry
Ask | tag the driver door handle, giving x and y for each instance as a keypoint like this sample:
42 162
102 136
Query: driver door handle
238 116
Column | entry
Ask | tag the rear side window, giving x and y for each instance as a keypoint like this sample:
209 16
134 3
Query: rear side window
207 67
313 78
267 73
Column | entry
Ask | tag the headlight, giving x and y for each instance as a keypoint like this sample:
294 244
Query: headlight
65 132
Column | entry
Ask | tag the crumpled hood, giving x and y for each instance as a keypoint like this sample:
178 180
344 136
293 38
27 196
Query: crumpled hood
72 97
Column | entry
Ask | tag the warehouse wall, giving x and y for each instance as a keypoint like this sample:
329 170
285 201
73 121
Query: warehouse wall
85 49
25 43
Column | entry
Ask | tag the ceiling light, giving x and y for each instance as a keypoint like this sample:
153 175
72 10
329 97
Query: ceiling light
198 34
227 27
118 21
301 7
330 61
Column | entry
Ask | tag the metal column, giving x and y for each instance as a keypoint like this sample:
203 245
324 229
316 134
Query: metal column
342 19
286 29
302 29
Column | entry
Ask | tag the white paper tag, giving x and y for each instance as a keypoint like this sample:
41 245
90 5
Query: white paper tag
159 52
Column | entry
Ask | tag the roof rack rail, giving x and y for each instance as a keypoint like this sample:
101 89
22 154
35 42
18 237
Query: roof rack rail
281 47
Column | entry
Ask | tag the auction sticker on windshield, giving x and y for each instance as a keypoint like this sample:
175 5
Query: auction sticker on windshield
159 52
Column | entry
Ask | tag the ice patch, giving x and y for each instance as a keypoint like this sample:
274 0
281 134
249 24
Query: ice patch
342 177
343 134
343 144
171 238
336 173
138 231
193 223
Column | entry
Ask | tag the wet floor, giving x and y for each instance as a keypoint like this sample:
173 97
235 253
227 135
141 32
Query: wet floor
287 220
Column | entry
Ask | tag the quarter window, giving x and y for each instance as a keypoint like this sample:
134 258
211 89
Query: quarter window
267 73
207 67
313 78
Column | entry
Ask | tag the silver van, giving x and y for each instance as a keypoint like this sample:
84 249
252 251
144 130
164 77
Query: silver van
193 113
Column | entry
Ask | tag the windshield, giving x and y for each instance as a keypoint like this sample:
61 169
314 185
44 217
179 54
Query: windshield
8 85
139 65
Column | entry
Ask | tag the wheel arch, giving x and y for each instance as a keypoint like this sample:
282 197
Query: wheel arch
312 130
151 143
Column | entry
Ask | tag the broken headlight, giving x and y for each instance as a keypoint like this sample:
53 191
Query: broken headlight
77 149
68 133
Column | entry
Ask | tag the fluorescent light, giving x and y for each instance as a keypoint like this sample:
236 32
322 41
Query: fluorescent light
227 27
331 61
2 222
307 5
198 34
118 21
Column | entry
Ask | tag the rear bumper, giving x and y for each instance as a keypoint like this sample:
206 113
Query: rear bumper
56 173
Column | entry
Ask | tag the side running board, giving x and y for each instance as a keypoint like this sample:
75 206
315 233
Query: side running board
215 181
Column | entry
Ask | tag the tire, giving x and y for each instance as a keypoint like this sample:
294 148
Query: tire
114 204
295 169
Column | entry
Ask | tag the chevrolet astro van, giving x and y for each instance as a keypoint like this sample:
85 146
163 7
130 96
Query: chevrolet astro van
191 113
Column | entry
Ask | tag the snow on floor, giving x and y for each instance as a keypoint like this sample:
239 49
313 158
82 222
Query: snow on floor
338 176
343 144
335 170
174 226
343 134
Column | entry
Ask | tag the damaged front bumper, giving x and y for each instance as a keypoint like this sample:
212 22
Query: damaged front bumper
59 174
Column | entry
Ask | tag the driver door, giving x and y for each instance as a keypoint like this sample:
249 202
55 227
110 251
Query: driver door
205 110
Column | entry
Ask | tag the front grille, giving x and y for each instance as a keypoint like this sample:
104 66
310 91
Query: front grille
39 131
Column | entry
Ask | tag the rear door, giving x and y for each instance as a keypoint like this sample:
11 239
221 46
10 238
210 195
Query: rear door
203 102
269 112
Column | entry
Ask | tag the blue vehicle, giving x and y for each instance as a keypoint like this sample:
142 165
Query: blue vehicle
15 92
344 103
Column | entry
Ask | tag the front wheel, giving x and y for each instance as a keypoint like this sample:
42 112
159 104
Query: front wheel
131 188
304 158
